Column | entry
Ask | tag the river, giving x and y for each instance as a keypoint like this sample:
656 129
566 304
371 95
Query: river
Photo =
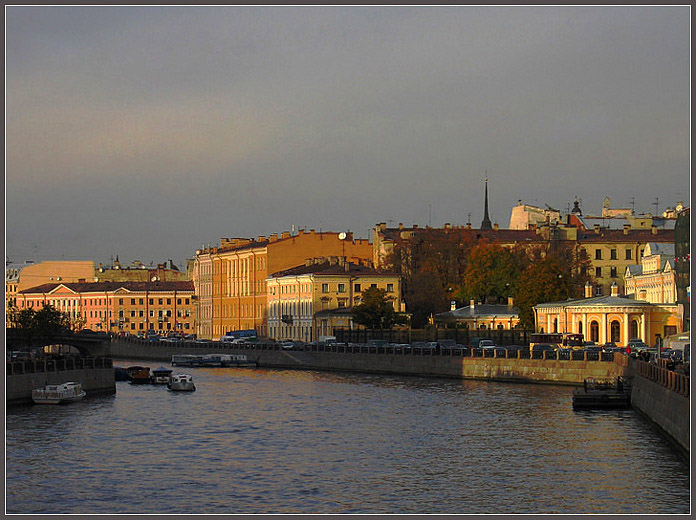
258 441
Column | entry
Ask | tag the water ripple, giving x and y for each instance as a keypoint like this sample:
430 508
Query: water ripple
296 442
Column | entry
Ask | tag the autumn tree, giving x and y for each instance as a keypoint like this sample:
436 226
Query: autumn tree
492 273
431 264
376 311
556 273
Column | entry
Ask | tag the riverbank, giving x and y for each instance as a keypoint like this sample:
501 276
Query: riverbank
449 363
95 374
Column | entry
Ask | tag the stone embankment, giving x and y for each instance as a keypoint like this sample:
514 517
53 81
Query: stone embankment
662 397
498 365
21 377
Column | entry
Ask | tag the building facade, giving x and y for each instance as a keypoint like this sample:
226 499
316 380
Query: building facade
654 279
613 318
231 280
118 307
311 300
481 316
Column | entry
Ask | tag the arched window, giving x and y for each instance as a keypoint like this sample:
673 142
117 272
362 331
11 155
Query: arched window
615 331
500 326
634 329
555 324
580 327
594 331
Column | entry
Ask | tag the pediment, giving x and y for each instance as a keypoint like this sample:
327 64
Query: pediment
62 289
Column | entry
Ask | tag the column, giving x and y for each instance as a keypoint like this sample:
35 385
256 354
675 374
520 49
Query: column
603 332
626 330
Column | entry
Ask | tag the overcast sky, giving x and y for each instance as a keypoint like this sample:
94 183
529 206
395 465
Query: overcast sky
146 132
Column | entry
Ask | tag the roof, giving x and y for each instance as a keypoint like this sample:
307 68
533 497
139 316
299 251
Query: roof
655 248
481 311
597 301
328 268
87 287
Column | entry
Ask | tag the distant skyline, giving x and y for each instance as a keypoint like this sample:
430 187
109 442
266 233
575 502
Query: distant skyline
146 132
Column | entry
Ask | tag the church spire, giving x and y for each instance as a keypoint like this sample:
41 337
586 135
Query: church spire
486 222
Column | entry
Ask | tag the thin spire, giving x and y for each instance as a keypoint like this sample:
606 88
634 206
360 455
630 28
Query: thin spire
486 222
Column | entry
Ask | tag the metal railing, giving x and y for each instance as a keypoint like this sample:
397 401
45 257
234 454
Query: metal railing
56 365
659 373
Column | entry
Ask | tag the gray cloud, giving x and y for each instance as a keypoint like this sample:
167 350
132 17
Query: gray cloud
155 129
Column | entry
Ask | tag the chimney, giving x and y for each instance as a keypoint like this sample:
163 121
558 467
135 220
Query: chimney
453 305
588 290
614 289
448 225
511 301
653 229
626 228
597 229
495 226
472 304
401 225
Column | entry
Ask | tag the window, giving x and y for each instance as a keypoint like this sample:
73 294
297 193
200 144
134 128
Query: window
390 287
341 287
178 301
325 287
140 301
613 272
357 288
132 301
628 254
613 254
120 301
373 285
598 272
141 313
152 301
132 314
186 301
161 301
598 254
169 301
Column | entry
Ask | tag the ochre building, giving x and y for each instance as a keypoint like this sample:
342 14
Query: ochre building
231 280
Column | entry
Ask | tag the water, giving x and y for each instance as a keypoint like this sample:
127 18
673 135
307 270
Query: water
272 441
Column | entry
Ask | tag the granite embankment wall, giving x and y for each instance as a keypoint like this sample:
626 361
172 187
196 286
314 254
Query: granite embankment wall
416 362
662 397
95 375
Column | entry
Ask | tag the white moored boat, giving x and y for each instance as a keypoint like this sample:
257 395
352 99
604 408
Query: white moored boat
160 376
181 383
57 394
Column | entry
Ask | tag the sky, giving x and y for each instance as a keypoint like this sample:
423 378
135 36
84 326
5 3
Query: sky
148 132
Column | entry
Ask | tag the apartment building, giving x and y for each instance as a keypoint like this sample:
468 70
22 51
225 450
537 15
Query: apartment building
311 300
654 279
231 280
133 307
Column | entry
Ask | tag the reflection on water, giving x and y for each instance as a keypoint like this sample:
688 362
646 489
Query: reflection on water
274 441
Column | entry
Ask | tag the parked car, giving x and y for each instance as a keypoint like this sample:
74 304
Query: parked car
287 345
487 344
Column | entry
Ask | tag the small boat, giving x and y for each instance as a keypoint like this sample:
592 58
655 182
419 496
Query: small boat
603 394
121 374
236 360
57 394
181 383
160 376
187 360
139 375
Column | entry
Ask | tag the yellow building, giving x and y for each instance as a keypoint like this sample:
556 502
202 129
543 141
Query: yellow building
481 316
311 300
231 280
604 319
654 279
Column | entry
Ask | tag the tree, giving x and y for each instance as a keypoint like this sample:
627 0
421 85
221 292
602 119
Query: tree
491 273
555 274
43 325
376 311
